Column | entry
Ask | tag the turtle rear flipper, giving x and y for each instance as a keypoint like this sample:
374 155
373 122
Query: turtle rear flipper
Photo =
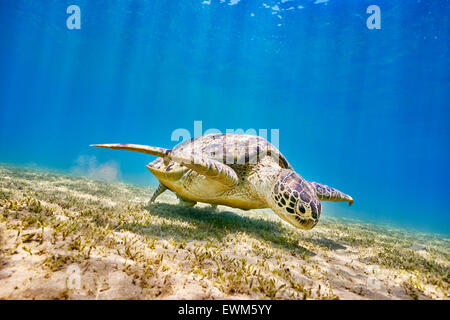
185 202
326 193
161 188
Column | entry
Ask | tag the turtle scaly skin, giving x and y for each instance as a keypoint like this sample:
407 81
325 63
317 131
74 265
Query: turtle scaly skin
240 171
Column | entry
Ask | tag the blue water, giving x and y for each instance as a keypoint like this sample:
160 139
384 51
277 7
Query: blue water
365 111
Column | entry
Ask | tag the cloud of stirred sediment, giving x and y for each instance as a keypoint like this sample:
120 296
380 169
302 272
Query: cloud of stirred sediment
88 166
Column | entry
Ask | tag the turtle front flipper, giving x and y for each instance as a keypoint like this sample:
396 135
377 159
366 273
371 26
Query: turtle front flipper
326 193
208 167
155 151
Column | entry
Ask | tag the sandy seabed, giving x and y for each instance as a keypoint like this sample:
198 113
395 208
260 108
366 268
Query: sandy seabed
65 237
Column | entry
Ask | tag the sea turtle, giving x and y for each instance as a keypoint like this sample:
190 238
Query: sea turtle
241 171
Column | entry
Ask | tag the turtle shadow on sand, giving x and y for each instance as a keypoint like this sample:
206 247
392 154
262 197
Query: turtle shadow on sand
328 243
209 223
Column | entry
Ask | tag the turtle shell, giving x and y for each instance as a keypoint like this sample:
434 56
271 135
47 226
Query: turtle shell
232 149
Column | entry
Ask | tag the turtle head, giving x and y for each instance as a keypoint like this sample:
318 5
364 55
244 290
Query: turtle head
295 201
